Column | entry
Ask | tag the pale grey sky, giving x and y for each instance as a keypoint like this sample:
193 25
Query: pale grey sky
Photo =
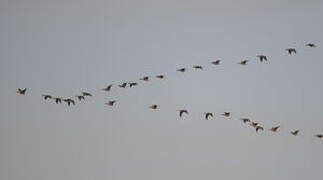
66 46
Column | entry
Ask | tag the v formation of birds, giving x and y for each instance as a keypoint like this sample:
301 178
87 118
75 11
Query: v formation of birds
182 112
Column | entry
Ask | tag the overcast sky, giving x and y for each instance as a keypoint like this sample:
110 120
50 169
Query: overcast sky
64 47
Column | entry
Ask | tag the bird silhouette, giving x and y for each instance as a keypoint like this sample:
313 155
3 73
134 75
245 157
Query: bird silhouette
111 103
295 133
254 124
146 78
274 129
217 62
259 128
108 88
160 76
58 100
243 63
181 70
226 114
86 94
311 45
123 85
207 115
22 91
319 135
198 67
262 58
153 106
46 96
80 97
245 120
132 84
69 101
291 50
181 111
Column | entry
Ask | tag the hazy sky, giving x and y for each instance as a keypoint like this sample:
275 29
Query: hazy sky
63 47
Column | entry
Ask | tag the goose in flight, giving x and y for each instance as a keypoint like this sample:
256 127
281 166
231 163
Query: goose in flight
110 103
291 51
133 84
295 133
311 45
259 128
319 135
146 78
58 100
207 115
123 85
160 76
153 106
245 120
226 114
181 70
108 88
217 62
274 129
46 96
181 111
22 91
198 67
80 97
86 94
69 101
262 58
243 63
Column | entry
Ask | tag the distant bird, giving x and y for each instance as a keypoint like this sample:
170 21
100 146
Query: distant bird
181 70
153 106
262 58
243 63
111 103
146 78
181 111
46 96
69 101
198 67
217 62
160 76
245 120
291 50
259 128
295 133
123 85
207 115
58 100
22 91
108 88
133 84
274 129
86 94
319 135
80 97
226 114
254 124
311 45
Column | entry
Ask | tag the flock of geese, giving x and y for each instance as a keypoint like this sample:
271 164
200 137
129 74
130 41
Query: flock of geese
182 112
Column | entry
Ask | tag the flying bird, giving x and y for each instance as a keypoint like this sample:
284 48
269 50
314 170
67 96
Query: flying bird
46 96
146 78
319 135
259 128
226 114
58 100
153 106
69 101
295 133
274 129
254 124
160 76
207 115
181 111
217 62
198 67
22 91
245 120
311 45
262 58
291 50
80 97
181 70
123 85
133 84
86 94
108 88
243 63
110 103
